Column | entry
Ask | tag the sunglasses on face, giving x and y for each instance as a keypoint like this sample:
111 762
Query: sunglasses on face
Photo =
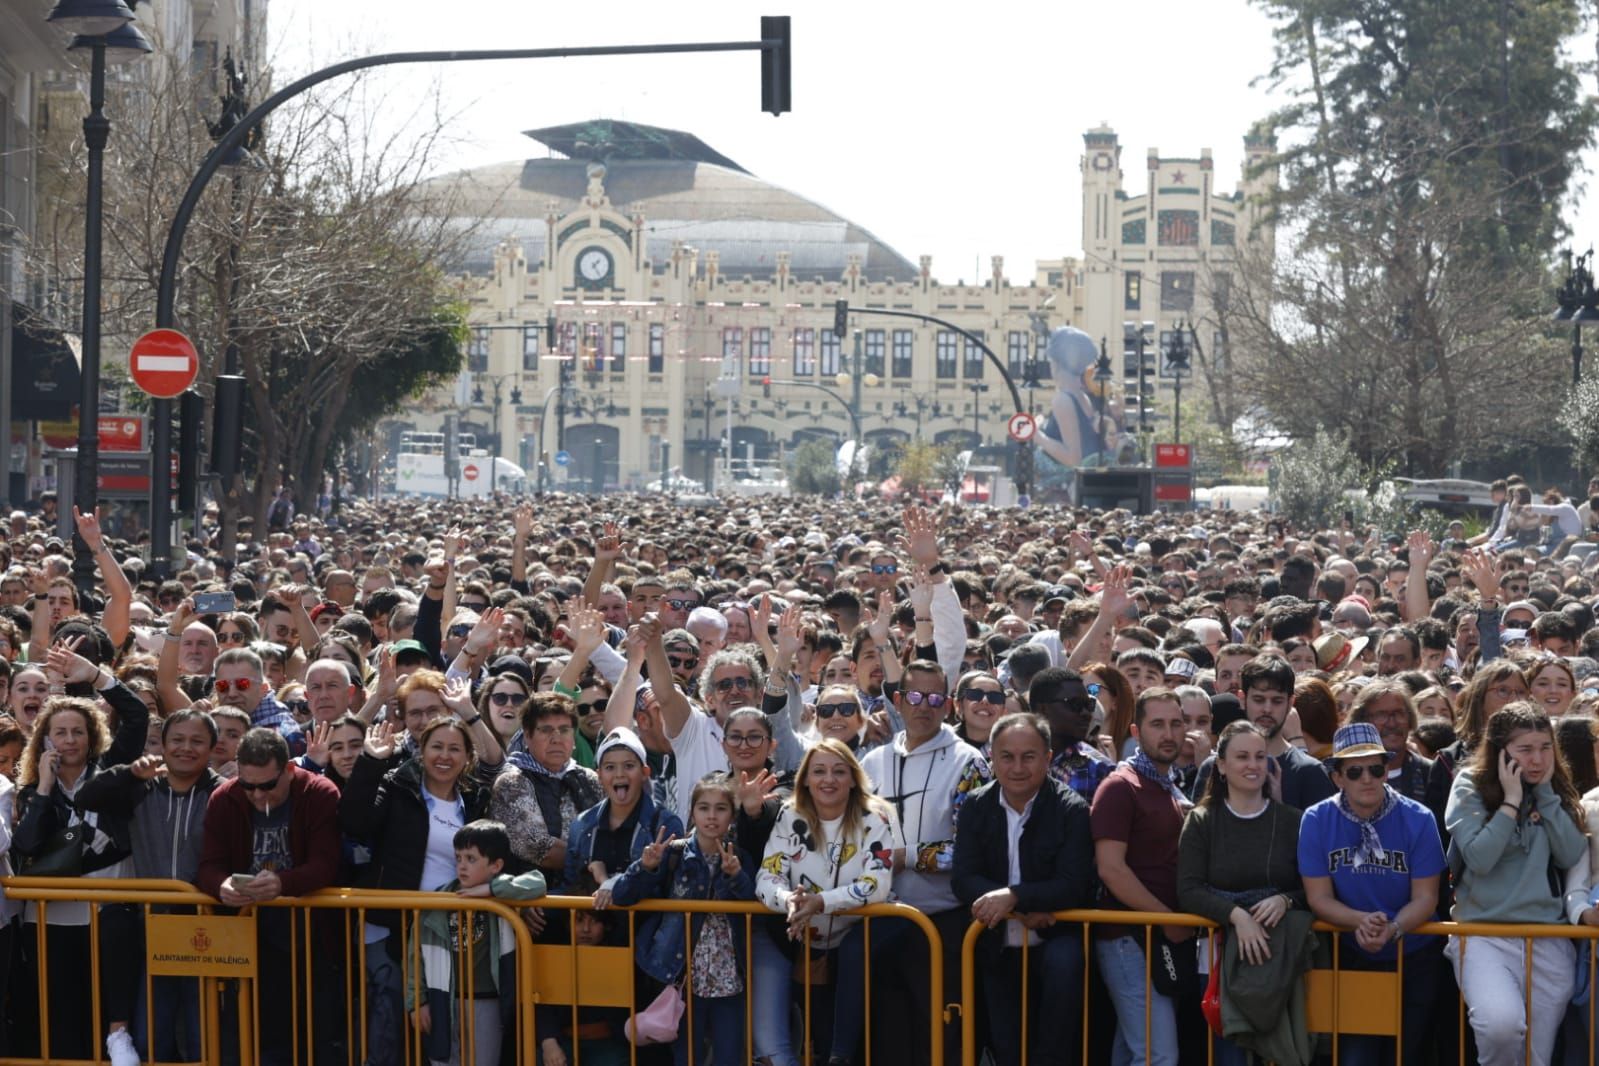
300 708
682 605
885 568
243 684
1075 705
262 786
728 684
683 662
460 631
478 607
843 710
1355 773
1094 688
982 696
508 699
968 667
591 708
231 638
932 699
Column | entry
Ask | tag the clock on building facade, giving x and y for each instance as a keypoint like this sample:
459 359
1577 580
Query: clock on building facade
595 269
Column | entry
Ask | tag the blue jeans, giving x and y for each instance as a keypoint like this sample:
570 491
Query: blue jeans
1054 1007
772 1006
1424 972
176 1010
718 1024
1121 964
385 1008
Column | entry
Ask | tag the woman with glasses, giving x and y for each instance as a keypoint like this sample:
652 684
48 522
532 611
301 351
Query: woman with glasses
546 788
500 702
237 630
591 701
1495 685
1109 686
980 701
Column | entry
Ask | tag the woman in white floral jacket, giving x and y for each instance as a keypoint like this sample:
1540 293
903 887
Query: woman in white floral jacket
831 850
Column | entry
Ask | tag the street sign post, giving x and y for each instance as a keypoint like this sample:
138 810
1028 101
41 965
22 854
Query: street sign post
470 471
563 458
1021 427
163 363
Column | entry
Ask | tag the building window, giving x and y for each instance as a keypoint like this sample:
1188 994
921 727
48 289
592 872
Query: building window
1134 289
974 356
804 353
657 348
903 352
761 351
876 342
1041 363
530 348
944 355
618 347
1016 352
1177 290
593 348
477 351
732 346
831 347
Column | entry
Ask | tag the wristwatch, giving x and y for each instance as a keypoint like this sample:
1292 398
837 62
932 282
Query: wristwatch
472 721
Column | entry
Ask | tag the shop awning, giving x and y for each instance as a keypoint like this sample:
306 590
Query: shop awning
44 368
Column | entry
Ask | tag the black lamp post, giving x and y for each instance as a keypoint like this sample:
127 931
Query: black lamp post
498 382
104 30
1102 378
1178 353
1579 303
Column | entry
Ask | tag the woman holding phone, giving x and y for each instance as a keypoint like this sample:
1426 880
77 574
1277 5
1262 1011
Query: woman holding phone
1517 825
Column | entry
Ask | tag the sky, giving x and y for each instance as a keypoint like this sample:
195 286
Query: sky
954 135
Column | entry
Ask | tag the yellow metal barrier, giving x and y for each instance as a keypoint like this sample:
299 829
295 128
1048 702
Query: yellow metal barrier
546 974
1338 1001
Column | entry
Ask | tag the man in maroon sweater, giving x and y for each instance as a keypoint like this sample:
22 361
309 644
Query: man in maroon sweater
272 831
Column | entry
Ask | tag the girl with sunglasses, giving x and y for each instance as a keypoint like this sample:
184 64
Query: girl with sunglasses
500 704
980 701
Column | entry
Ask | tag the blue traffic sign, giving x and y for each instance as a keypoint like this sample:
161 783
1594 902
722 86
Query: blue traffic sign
563 458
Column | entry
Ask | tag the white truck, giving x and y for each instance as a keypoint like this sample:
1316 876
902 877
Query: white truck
421 474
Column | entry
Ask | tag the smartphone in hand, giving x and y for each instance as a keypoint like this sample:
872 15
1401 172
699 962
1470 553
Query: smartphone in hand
215 603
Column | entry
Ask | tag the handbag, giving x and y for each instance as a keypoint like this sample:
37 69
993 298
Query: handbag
813 967
658 1023
62 855
1210 1003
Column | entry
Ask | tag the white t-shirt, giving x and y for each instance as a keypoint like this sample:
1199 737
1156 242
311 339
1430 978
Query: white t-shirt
699 751
445 819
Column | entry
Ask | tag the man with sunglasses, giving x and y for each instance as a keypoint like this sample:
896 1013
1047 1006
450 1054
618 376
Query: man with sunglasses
926 772
241 682
679 602
1372 860
1066 703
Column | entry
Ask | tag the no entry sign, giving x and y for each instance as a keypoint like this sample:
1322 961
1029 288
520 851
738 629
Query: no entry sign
163 363
470 472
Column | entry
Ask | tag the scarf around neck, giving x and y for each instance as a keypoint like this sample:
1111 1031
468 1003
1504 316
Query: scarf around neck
1145 767
1370 851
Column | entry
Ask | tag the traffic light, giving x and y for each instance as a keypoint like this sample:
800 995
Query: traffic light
191 412
777 64
840 318
549 331
766 387
225 439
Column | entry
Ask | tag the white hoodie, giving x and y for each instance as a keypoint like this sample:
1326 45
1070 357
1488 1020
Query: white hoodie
927 787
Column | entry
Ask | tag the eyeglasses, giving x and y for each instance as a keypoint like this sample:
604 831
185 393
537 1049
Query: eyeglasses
260 786
932 699
233 638
243 684
1355 773
728 684
477 606
165 601
1094 689
508 699
968 667
885 568
460 631
745 740
984 696
562 732
591 708
844 710
682 605
683 662
299 708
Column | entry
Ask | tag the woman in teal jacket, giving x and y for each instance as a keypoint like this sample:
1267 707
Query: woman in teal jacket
1515 826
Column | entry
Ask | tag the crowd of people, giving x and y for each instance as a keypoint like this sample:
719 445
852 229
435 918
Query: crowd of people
812 706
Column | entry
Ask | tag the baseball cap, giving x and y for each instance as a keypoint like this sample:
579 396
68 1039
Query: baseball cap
620 737
402 648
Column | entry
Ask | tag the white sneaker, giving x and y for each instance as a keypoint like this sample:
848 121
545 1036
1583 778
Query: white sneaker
119 1045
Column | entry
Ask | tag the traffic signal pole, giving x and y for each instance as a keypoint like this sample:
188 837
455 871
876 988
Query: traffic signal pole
775 46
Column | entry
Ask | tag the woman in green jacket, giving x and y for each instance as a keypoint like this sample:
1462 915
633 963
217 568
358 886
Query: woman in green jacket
1516 826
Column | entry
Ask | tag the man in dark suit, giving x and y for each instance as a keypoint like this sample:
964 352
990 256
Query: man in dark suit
1023 850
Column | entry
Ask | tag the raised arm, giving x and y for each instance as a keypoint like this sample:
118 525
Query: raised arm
166 675
1082 547
586 627
675 707
1096 643
119 593
524 528
619 708
1417 604
607 549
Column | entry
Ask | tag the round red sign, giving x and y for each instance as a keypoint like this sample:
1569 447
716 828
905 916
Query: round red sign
163 363
469 471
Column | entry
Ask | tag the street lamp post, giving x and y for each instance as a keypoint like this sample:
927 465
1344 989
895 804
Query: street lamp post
775 46
1579 303
1178 351
1102 378
104 29
977 388
498 382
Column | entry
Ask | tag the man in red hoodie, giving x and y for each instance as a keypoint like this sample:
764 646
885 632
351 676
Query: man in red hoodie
271 831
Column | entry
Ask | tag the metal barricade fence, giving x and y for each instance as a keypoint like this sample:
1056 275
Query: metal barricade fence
1339 1001
321 998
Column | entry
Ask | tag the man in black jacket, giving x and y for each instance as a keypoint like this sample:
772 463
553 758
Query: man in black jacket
1023 850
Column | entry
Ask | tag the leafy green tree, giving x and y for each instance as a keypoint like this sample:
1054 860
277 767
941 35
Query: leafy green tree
1579 418
919 467
813 469
1311 476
